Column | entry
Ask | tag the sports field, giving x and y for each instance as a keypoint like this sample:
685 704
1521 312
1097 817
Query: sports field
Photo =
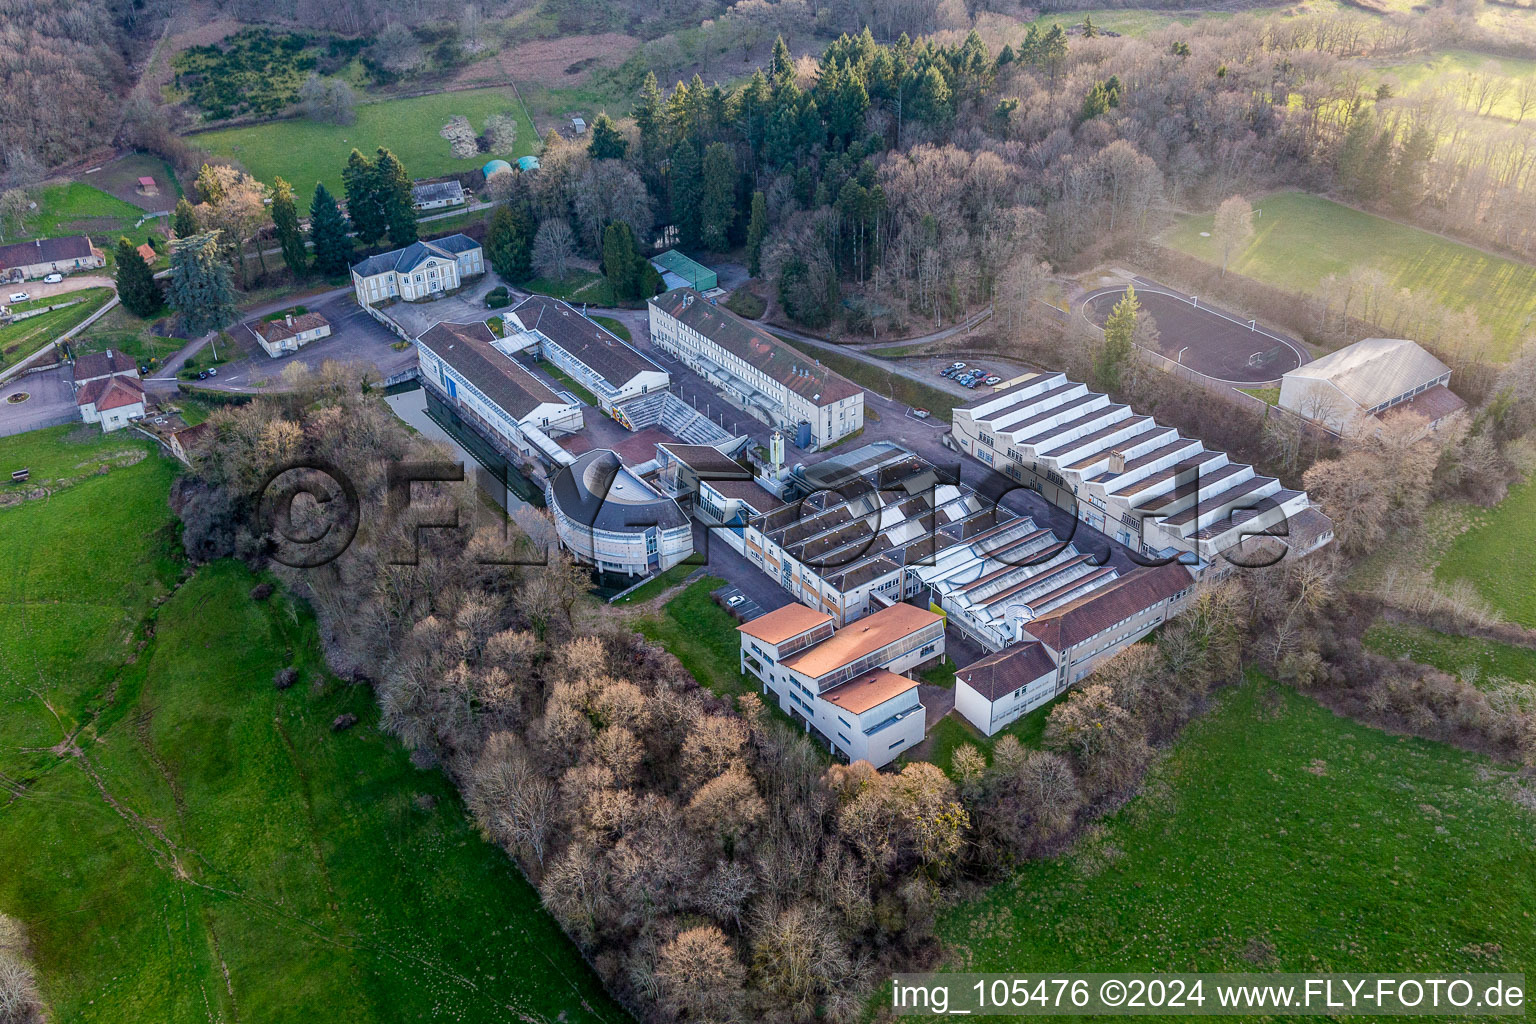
1299 239
304 151
1216 342
184 842
1279 836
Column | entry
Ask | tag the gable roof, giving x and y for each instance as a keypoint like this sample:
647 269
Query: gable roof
111 393
599 349
1375 370
102 364
869 690
436 191
281 330
999 674
794 369
782 623
1088 616
468 349
147 253
403 261
46 250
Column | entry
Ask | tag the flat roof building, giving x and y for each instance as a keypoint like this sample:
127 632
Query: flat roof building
678 271
847 683
755 371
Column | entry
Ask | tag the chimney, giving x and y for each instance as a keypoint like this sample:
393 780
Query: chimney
1117 461
290 319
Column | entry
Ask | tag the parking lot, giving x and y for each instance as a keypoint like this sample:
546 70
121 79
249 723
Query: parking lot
50 401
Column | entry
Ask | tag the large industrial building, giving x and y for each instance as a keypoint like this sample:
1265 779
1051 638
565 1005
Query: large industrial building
508 406
1370 379
772 381
608 517
847 683
596 358
1156 492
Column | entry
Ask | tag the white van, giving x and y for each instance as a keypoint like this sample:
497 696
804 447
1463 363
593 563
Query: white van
19 297
53 279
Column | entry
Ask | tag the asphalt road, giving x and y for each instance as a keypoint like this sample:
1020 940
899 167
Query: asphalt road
50 401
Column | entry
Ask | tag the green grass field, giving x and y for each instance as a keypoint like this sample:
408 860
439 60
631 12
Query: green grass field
185 843
77 208
1483 555
577 286
1278 836
121 331
702 636
20 339
1486 659
304 151
568 382
1440 66
881 381
1299 239
614 327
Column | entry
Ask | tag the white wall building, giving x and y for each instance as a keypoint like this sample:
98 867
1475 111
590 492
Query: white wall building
422 270
770 380
609 518
1370 378
1125 475
436 195
847 683
291 333
596 358
505 403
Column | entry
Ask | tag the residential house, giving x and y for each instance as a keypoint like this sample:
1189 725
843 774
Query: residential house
773 382
290 333
1370 379
510 407
847 683
44 256
111 401
420 271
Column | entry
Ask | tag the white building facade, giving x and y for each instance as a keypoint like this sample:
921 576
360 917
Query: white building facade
610 519
610 368
420 271
770 380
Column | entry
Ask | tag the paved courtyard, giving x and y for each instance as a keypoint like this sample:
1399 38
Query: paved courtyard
468 306
50 401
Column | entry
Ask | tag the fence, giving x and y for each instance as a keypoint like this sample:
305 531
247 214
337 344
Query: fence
1230 392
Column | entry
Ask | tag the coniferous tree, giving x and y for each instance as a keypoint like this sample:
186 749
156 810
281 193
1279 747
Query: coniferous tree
757 227
781 67
184 221
200 287
136 285
1109 361
393 191
1408 170
608 143
285 219
718 201
509 242
363 207
328 234
685 179
619 261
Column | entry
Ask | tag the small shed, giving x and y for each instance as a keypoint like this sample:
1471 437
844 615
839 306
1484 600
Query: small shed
147 186
578 125
678 271
527 163
495 165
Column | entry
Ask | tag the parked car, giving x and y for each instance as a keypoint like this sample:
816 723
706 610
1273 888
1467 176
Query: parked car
53 279
973 382
143 370
19 297
734 600
921 414
994 379
213 371
202 374
957 366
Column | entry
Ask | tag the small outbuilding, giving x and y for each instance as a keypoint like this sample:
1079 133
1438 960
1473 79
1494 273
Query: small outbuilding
678 271
527 163
492 166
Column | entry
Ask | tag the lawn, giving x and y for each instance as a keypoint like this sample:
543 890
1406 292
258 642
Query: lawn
881 381
1436 68
576 286
20 339
1471 658
304 151
1278 836
659 583
1299 239
77 208
613 327
952 731
1483 554
702 636
1269 396
121 331
568 382
203 846
744 303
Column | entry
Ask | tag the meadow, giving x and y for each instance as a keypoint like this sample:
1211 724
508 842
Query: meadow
701 635
186 842
1278 836
1482 555
76 208
304 151
23 337
1441 66
1299 239
1472 658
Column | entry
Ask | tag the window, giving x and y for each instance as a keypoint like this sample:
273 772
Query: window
927 650
898 743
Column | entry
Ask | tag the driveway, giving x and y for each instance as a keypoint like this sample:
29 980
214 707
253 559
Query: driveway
468 306
50 402
39 290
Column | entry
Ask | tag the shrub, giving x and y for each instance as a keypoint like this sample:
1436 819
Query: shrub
285 677
343 722
261 591
498 297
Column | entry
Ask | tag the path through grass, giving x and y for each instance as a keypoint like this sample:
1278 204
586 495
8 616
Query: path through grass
1299 239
